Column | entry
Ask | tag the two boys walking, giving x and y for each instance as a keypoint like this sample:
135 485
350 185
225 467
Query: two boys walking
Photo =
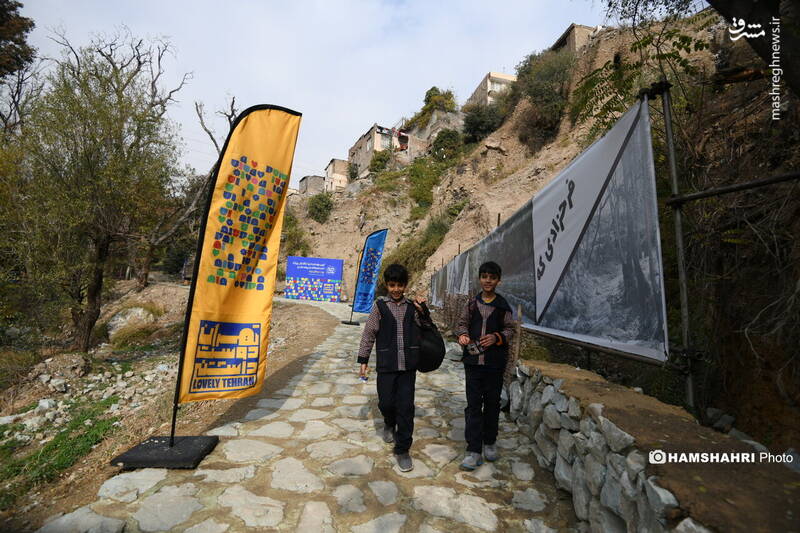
484 330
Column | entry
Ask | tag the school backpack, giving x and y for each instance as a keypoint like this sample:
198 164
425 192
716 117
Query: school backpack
431 344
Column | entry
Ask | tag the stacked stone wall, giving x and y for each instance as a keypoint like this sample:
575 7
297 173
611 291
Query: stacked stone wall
592 459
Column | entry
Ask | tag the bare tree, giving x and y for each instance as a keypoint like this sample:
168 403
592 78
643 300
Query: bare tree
186 204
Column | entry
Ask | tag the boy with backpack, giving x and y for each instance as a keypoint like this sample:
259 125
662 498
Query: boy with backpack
484 330
393 326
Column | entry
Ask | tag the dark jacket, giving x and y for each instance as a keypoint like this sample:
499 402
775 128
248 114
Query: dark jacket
499 322
385 338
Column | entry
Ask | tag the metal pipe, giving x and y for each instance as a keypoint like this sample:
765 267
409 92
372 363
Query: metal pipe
673 174
727 189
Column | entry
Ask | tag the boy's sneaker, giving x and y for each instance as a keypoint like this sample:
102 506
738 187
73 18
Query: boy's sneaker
388 434
490 452
404 462
471 461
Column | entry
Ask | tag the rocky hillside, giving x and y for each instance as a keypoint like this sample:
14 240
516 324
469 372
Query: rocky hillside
496 178
741 249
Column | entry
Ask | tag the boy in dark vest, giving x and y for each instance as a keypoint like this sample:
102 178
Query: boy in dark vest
484 330
393 326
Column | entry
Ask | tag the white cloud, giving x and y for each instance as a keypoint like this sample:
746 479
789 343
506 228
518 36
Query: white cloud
344 65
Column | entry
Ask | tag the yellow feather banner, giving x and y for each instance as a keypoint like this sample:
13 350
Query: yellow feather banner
226 334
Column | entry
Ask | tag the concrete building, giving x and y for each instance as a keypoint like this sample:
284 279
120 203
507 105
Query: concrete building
490 86
310 185
378 138
574 37
336 175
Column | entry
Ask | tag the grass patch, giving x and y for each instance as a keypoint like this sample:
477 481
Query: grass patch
71 444
99 333
417 212
133 335
15 364
31 406
414 252
388 181
155 309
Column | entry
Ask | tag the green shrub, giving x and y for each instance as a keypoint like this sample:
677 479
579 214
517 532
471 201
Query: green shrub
352 171
417 212
294 238
447 145
320 207
543 78
455 209
415 252
435 100
380 160
481 120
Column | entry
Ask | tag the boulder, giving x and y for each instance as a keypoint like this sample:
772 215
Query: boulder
129 317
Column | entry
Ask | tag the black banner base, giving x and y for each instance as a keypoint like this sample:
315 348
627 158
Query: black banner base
351 323
155 452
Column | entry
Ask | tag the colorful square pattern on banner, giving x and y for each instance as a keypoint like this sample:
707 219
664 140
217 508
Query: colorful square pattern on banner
313 278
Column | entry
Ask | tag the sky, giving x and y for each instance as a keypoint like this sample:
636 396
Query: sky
344 65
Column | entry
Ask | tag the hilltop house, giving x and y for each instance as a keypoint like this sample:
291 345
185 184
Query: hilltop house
378 138
311 185
490 86
336 175
574 37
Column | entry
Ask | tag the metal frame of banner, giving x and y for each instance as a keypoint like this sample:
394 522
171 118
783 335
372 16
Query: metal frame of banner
186 452
686 354
358 275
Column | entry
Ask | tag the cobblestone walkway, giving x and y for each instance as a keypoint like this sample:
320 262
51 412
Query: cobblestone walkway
309 459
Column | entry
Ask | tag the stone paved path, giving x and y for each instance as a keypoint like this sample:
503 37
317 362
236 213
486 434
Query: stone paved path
309 459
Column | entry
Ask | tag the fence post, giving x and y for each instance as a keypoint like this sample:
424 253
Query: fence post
673 174
518 345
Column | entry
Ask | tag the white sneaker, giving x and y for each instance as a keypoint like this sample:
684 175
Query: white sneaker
471 461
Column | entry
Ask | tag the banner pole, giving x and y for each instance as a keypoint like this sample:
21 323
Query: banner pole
666 101
195 272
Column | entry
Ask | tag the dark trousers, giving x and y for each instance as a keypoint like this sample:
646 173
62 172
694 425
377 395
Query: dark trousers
396 402
482 413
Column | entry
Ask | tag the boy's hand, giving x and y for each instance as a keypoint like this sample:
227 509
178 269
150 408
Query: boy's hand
417 302
463 340
363 372
487 340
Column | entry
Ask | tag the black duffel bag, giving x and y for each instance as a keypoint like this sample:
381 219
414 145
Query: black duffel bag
431 344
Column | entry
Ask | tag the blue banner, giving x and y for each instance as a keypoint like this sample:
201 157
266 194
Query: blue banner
368 271
313 278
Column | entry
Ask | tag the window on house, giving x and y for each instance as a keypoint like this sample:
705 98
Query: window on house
386 142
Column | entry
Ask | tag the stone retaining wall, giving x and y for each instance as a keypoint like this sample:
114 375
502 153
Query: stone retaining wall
592 458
